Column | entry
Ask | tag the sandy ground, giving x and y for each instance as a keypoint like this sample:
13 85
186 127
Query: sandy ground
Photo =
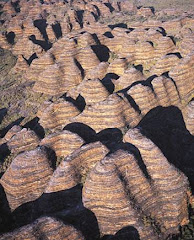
185 5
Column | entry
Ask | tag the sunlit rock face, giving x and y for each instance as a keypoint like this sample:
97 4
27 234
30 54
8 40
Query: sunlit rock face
96 122
26 177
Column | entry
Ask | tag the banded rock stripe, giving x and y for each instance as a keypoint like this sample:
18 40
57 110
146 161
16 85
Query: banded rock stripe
75 167
56 115
24 140
47 227
106 193
26 177
169 183
63 142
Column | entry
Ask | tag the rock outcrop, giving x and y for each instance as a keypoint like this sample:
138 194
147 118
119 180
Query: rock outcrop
63 143
74 168
23 140
45 226
56 115
169 183
26 177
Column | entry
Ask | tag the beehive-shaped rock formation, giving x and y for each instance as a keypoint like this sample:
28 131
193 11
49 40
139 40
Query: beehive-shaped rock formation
85 39
74 168
26 177
39 65
187 44
160 90
105 114
127 6
114 44
24 140
144 54
30 48
99 71
55 115
172 27
72 74
92 90
48 227
164 64
132 116
63 143
83 56
106 193
63 48
118 66
103 8
163 46
169 183
144 97
130 76
184 71
172 91
51 81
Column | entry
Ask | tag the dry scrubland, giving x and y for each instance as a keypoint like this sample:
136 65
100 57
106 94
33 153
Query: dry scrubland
184 5
97 120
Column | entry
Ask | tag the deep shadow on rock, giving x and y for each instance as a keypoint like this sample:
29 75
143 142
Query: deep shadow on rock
126 233
166 128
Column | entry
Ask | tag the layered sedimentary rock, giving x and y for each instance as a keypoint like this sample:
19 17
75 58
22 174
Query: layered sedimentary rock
164 45
172 91
184 70
169 183
75 168
160 90
99 71
45 226
127 6
24 140
145 12
29 49
64 47
14 130
187 44
92 90
83 56
144 54
131 115
164 64
105 114
56 115
130 76
143 97
118 66
51 81
38 66
90 61
85 39
128 49
107 193
114 44
26 177
63 143
188 114
172 27
72 74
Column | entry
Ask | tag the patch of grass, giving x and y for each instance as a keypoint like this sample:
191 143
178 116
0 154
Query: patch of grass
7 162
113 56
